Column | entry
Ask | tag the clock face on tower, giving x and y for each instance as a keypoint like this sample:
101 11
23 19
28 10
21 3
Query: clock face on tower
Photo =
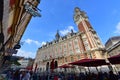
76 18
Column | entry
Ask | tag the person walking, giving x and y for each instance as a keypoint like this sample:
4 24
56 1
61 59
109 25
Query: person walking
9 75
16 75
25 75
112 76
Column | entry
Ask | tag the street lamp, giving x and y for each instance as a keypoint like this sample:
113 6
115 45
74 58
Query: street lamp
30 8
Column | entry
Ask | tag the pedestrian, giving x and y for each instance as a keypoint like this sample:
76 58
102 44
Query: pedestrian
55 77
112 76
16 75
34 77
24 75
9 75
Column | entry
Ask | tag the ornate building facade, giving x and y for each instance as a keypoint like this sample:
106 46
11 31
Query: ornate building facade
72 47
14 18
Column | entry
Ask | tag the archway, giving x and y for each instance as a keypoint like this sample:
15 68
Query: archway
47 66
56 64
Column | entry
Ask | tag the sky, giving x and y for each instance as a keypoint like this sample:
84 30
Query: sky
104 16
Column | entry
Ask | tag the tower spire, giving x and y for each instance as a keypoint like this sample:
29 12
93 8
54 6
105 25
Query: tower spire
57 36
89 36
79 15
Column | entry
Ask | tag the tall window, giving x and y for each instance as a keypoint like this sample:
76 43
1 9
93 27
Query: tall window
72 59
65 48
60 50
65 59
87 47
78 56
70 48
76 46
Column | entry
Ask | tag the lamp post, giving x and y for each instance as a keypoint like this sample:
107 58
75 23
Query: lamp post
31 9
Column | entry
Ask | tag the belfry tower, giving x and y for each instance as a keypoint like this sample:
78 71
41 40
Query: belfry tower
92 45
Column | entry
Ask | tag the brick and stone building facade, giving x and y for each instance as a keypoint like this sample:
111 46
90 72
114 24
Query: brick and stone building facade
72 47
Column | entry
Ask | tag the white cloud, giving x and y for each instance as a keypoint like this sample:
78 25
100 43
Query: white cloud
28 54
30 41
25 54
43 43
118 28
65 31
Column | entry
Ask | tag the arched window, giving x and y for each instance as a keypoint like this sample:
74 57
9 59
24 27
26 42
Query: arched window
47 66
56 64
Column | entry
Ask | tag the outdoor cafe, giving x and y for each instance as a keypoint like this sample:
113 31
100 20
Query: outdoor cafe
96 63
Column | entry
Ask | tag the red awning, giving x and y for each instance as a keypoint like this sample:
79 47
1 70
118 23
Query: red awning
66 66
90 62
115 59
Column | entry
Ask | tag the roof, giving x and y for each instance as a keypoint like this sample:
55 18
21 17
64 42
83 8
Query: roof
113 46
113 39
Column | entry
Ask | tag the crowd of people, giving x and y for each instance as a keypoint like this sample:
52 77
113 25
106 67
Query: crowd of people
79 76
18 75
30 75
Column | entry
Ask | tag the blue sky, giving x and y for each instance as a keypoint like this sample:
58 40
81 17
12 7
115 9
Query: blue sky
104 16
